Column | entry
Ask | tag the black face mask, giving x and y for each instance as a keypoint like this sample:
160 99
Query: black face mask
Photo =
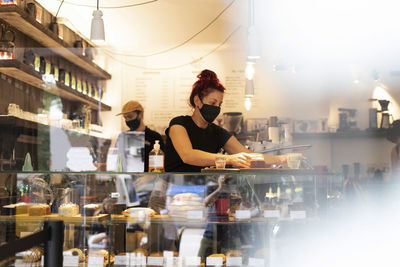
133 124
209 112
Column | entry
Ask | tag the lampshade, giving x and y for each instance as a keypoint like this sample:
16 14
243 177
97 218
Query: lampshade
249 88
253 42
97 30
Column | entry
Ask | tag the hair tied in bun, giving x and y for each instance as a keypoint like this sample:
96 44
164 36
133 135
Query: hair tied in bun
207 75
206 82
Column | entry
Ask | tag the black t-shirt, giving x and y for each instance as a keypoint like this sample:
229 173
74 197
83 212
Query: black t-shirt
150 138
210 139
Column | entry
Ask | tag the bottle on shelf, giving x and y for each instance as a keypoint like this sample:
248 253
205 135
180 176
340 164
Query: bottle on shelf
90 89
96 92
79 85
156 158
67 80
73 80
84 87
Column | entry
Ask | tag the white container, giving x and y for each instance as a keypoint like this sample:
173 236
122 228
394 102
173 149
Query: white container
273 134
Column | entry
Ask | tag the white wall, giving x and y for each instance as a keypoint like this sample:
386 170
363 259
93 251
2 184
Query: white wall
325 58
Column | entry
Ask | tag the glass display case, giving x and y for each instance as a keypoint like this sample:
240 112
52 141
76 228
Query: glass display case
166 219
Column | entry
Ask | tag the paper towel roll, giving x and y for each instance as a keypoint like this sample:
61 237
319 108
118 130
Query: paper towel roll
273 134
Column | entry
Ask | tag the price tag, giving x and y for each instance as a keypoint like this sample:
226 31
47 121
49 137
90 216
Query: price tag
71 261
156 261
234 261
215 261
137 259
243 214
114 195
272 213
177 261
168 254
298 214
254 262
173 262
194 215
192 261
20 263
95 261
121 260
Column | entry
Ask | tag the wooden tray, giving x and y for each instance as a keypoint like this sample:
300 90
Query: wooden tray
215 170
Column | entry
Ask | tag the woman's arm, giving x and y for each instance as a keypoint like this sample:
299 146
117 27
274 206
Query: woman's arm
233 146
196 157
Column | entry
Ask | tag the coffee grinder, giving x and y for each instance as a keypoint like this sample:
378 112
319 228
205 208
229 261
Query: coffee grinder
385 116
347 120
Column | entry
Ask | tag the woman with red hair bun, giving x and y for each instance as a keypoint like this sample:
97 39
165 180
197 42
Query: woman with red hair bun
194 141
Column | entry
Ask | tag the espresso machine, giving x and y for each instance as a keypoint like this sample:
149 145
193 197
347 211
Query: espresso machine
385 116
347 119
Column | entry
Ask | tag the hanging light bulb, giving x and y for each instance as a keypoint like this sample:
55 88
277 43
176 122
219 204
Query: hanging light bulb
97 29
249 88
247 103
250 70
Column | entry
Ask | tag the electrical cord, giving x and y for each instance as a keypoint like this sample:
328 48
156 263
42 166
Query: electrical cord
181 65
184 42
168 49
58 10
111 7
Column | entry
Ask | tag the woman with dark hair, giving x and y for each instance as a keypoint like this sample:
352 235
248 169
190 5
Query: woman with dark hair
394 136
194 141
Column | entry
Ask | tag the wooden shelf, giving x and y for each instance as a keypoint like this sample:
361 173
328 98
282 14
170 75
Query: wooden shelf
21 20
78 219
21 123
343 134
24 73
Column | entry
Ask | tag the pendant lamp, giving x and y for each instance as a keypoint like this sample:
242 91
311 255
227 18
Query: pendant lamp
97 29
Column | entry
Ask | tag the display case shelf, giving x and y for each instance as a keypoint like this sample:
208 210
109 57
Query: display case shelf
78 219
24 73
21 20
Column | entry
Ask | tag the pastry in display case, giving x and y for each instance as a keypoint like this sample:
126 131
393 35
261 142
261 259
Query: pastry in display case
39 210
14 209
32 255
68 209
139 213
91 209
184 202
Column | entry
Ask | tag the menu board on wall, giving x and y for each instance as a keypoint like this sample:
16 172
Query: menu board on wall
234 95
164 95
